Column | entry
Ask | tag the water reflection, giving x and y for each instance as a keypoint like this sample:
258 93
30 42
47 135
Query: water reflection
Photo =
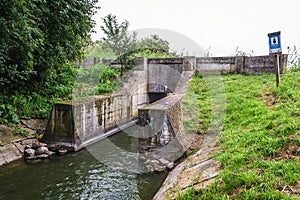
76 176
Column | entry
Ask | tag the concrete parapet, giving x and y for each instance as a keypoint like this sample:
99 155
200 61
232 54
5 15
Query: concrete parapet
230 64
264 64
249 65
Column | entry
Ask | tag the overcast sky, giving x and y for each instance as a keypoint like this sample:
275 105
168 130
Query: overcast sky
222 25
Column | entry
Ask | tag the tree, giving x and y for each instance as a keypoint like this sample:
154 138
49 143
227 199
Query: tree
118 38
37 38
155 43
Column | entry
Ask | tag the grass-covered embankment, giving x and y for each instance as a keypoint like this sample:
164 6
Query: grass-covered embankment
260 141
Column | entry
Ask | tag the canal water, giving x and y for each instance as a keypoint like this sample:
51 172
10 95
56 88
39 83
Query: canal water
79 176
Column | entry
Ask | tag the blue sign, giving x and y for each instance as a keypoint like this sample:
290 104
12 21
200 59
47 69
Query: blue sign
274 42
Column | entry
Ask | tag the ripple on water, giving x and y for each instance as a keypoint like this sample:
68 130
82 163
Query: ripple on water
77 176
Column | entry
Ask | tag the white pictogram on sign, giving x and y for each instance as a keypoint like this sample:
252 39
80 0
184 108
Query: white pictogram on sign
274 40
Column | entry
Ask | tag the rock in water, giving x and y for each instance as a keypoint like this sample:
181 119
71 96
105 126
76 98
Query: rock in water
29 152
170 165
62 151
35 145
42 156
42 150
164 161
43 144
31 158
50 153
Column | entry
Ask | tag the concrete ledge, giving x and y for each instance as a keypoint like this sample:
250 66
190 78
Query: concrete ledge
9 153
215 60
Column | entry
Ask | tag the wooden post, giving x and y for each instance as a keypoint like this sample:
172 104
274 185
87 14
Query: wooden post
275 49
277 70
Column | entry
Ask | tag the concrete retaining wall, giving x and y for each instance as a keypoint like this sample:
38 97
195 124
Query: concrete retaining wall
264 64
232 64
73 124
242 64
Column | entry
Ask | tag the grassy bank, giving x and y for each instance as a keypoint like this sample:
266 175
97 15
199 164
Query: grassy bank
259 144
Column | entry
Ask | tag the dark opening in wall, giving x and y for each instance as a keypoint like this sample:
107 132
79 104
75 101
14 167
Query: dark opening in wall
156 96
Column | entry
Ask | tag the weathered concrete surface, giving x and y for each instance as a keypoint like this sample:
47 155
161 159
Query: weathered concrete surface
80 122
264 64
164 74
136 85
230 64
163 136
241 64
8 135
165 112
72 124
9 153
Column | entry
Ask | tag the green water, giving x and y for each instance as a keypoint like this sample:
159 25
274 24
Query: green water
78 176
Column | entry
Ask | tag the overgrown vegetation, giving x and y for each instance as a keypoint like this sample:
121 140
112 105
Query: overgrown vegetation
39 42
94 80
259 146
39 38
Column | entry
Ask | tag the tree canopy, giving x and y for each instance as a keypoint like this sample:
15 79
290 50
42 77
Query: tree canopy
125 45
38 37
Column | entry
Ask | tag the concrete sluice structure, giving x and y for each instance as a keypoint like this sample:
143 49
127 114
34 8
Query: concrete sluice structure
78 123
151 94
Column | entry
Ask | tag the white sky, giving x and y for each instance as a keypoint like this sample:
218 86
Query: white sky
222 25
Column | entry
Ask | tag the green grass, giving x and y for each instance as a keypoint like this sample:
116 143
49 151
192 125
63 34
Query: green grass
261 121
197 105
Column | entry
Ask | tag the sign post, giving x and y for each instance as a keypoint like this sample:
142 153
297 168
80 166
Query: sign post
275 49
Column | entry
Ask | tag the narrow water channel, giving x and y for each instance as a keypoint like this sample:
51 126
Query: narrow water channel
78 176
